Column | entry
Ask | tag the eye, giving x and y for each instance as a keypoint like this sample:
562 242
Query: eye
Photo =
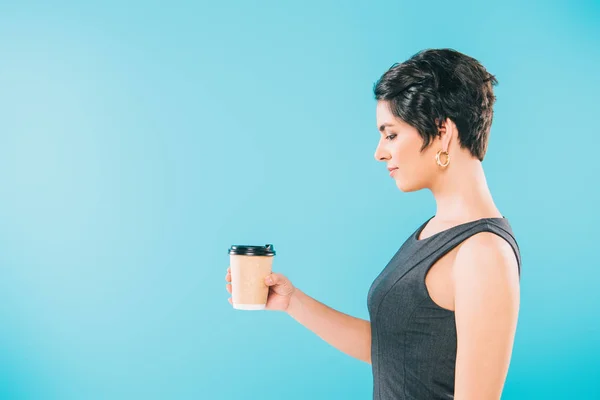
391 137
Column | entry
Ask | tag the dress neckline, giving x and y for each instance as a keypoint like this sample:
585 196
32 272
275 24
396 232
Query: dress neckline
422 227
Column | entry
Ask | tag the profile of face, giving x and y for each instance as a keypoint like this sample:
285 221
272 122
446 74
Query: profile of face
400 147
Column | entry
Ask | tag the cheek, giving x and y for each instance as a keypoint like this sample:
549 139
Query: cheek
406 155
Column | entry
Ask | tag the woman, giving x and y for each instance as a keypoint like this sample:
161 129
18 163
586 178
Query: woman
443 312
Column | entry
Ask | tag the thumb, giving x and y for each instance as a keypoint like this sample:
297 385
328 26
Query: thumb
274 279
271 280
280 284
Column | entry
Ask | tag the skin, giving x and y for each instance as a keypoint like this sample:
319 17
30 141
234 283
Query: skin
478 280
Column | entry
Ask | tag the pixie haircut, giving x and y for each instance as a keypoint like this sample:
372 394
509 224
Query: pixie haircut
436 84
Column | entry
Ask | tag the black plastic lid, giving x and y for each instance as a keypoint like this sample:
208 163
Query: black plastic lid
243 250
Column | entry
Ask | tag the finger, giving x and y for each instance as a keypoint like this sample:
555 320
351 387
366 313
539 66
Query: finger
272 279
228 278
230 301
228 287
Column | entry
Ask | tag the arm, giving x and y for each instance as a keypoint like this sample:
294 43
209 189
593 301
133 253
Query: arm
486 309
346 333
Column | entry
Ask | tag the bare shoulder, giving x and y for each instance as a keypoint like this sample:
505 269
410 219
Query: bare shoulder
486 285
486 255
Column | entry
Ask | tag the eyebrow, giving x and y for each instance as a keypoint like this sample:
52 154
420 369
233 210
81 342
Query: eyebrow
383 126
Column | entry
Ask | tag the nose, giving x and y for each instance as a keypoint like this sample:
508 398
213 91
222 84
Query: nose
381 154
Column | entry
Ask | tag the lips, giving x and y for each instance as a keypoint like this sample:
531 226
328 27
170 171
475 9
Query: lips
392 170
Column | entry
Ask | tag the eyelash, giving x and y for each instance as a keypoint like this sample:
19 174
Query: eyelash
388 137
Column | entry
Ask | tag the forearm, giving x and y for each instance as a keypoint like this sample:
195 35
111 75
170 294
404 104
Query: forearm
346 333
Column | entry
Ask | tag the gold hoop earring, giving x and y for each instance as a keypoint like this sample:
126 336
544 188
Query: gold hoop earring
439 162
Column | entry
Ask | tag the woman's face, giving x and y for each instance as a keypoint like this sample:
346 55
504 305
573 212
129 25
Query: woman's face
400 147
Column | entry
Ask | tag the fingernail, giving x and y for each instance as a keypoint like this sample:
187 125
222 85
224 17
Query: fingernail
269 280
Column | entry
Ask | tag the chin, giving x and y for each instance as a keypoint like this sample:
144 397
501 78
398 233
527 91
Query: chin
406 187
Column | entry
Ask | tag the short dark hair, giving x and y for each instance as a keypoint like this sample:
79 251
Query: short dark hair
436 84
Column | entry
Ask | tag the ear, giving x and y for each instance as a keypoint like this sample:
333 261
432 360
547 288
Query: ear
447 131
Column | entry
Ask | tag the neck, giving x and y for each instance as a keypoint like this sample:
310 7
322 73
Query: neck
462 194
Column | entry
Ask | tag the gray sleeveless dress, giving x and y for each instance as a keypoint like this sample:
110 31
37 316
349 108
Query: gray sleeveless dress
413 340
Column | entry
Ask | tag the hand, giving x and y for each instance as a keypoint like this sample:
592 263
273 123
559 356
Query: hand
281 291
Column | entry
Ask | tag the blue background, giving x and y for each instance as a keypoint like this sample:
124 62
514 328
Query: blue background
138 141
